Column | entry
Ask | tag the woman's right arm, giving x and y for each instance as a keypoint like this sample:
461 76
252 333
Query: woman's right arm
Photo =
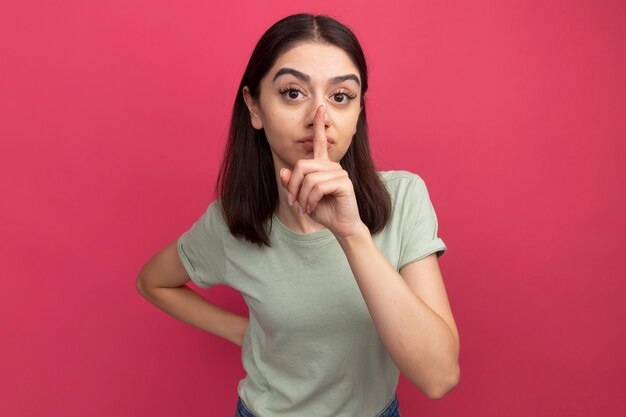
162 282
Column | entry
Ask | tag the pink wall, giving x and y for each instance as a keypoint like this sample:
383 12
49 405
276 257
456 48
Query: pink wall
112 122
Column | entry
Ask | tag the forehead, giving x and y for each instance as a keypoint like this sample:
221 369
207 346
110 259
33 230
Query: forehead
317 60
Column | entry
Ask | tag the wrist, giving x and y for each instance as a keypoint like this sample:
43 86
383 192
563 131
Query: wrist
358 235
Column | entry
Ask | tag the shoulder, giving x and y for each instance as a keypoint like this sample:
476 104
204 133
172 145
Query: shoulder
401 182
215 208
213 218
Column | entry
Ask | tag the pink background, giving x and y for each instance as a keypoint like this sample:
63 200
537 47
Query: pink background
113 118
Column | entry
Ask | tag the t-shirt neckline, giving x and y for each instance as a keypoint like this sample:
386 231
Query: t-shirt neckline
281 228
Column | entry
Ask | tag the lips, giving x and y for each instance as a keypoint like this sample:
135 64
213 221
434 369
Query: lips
309 145
310 139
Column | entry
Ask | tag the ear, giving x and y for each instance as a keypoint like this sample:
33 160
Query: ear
253 107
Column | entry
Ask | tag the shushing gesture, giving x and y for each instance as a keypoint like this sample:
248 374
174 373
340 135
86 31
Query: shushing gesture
321 188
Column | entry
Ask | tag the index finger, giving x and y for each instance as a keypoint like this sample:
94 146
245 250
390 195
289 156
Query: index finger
320 143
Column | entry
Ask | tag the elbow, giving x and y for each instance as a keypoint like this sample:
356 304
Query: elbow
140 284
440 390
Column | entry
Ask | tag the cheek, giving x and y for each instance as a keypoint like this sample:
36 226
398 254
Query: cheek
280 125
348 125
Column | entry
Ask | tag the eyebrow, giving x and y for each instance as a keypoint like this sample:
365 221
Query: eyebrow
303 77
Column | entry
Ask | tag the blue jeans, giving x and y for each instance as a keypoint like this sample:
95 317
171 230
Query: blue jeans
392 409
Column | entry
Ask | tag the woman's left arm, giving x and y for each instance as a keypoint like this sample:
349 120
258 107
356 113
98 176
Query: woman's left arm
410 309
411 313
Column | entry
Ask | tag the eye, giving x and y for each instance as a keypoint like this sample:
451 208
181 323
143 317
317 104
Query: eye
343 97
291 93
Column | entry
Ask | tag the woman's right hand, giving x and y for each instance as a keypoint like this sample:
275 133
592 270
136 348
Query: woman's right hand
162 282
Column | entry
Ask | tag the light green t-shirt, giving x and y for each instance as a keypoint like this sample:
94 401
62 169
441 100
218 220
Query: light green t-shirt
311 348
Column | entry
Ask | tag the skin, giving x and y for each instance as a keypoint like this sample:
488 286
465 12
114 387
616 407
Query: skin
410 308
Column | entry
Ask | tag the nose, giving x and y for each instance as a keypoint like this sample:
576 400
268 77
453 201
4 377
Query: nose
311 113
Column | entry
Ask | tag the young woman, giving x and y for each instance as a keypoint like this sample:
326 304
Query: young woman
336 261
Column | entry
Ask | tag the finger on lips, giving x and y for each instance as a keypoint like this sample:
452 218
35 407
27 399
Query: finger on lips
304 181
320 143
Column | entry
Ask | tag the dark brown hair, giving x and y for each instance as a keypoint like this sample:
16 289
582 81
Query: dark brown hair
246 183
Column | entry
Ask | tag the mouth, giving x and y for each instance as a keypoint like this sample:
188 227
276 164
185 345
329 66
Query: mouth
310 139
308 145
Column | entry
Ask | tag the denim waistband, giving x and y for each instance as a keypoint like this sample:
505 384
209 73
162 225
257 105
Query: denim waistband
392 409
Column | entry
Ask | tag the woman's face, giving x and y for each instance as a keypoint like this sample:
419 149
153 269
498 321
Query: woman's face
301 79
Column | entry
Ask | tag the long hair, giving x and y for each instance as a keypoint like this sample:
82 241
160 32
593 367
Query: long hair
246 183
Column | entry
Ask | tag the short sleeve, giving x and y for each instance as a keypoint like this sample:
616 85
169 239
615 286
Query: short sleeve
201 250
419 237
